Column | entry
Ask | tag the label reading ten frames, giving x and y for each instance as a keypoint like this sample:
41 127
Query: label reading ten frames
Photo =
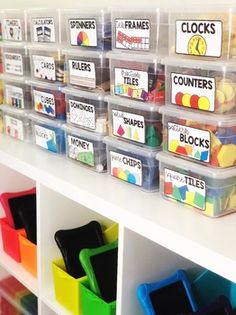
126 168
131 83
14 127
14 96
82 114
80 150
83 32
192 142
133 34
187 189
44 103
45 138
193 91
44 68
13 63
12 29
199 38
128 126
82 73
44 30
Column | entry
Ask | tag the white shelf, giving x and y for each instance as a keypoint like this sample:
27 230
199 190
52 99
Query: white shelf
205 241
49 299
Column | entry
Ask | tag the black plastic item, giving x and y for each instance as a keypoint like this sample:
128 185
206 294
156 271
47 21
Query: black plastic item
28 218
71 242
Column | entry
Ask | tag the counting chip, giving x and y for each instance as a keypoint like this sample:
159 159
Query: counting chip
220 97
227 89
203 103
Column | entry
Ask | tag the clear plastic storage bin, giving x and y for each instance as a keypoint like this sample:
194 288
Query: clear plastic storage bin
210 191
16 123
140 78
88 28
132 164
205 86
48 134
135 122
86 148
48 100
15 25
15 59
206 139
47 63
203 31
140 29
87 69
17 92
86 110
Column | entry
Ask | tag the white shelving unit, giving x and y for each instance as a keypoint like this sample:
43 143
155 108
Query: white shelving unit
155 236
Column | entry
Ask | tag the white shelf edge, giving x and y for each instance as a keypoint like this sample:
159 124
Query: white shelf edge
49 299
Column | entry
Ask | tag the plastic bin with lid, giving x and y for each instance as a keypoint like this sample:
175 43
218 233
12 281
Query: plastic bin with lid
17 92
86 110
206 86
86 148
16 123
15 59
140 29
47 63
206 32
48 99
88 70
88 28
210 191
140 78
15 25
207 139
132 164
135 122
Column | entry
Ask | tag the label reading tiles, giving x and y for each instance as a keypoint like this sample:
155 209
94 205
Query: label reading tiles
14 127
82 73
193 91
44 30
44 103
83 32
44 68
12 29
45 138
186 189
13 63
81 150
14 96
133 34
82 114
190 142
126 168
199 37
128 126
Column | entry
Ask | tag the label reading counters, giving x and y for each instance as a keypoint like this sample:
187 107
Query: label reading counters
191 142
128 126
44 30
14 127
82 114
133 34
193 91
80 150
12 29
83 32
44 103
45 138
44 68
14 96
13 63
199 38
126 168
82 73
186 189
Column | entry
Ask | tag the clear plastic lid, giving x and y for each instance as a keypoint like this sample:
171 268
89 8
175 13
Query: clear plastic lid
15 45
16 79
47 86
83 133
84 53
24 113
47 121
85 94
150 58
52 48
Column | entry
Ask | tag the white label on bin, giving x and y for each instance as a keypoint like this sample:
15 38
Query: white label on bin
126 168
44 68
131 83
82 73
80 150
193 91
44 30
44 103
184 188
45 138
12 29
190 142
199 38
13 63
83 32
82 114
133 34
14 96
14 127
128 126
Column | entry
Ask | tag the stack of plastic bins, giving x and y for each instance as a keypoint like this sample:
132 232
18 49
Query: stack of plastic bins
88 80
140 39
47 79
200 117
16 70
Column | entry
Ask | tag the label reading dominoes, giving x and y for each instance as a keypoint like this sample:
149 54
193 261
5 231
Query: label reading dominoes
45 138
12 29
14 127
44 103
14 96
83 32
44 67
44 30
82 73
13 63
81 150
82 114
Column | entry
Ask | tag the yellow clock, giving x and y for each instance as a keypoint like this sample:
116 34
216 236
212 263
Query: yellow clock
197 45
